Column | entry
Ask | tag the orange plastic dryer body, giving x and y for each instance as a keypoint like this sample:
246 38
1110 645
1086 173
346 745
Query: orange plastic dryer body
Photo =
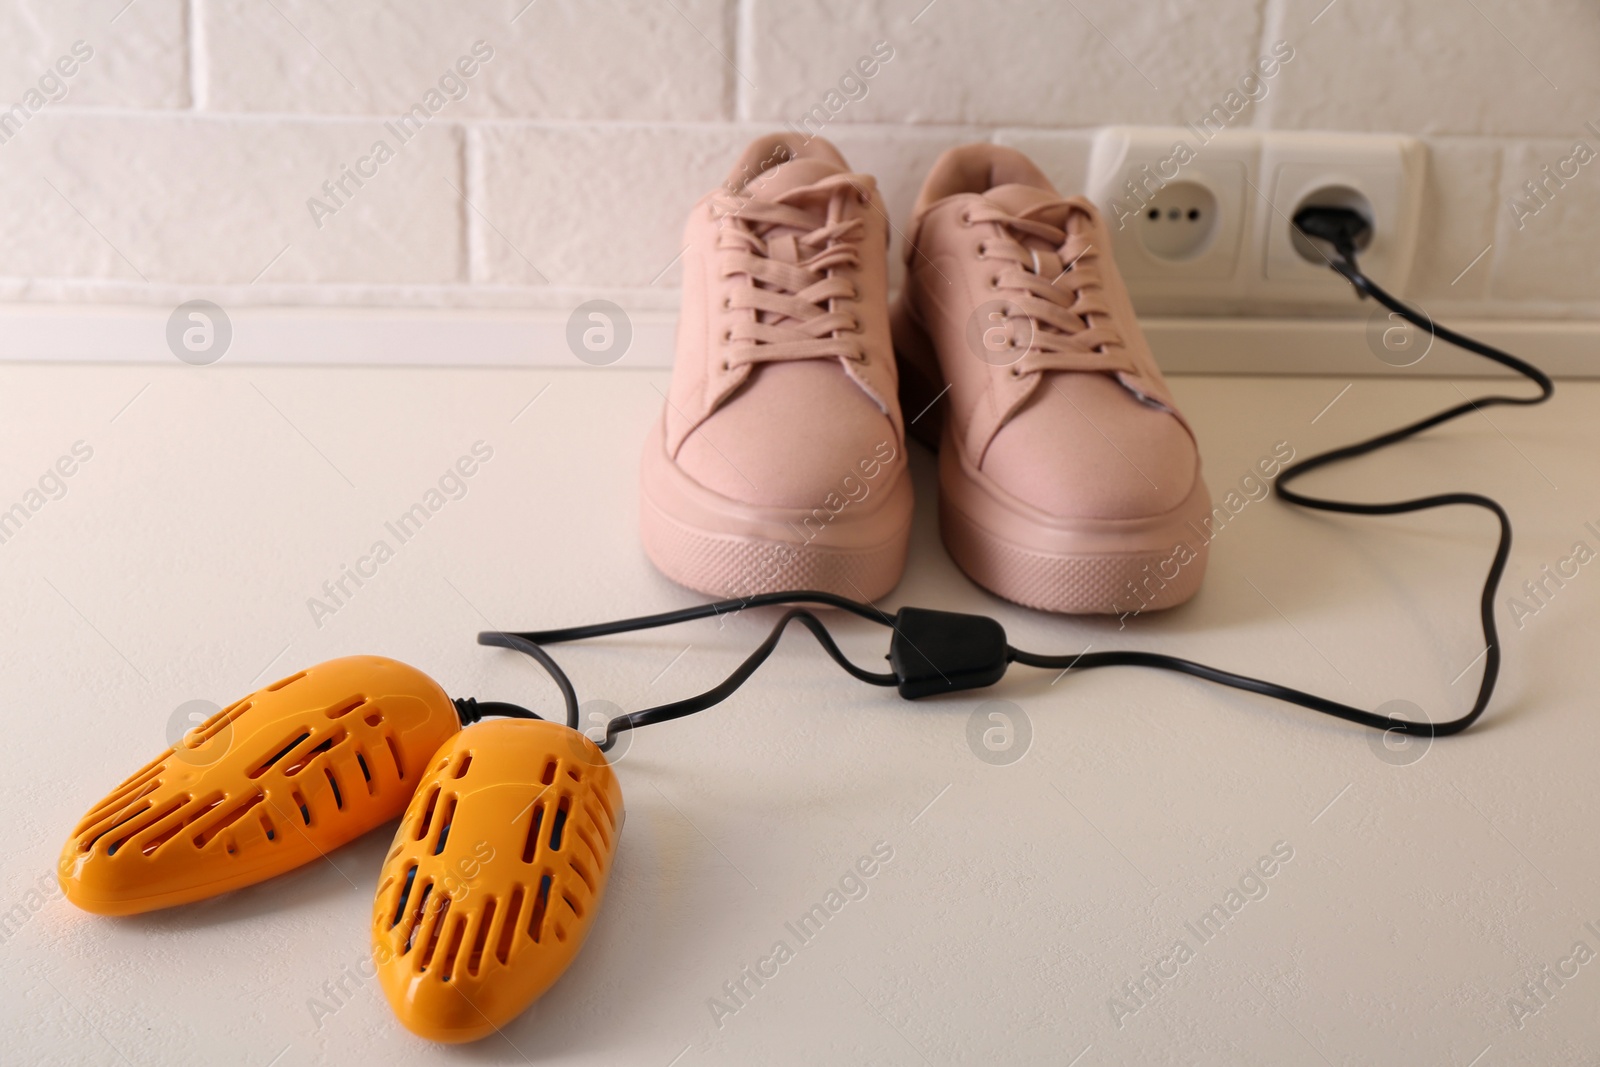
496 875
273 781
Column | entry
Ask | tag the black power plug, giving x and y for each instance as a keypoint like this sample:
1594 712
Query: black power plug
1344 228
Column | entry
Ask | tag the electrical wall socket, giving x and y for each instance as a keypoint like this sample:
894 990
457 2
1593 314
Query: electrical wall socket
1200 219
1379 175
1174 212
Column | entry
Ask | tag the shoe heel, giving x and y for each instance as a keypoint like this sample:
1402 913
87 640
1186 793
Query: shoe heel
921 382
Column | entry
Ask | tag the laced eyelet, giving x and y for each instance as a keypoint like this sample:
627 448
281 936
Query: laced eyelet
1015 373
727 337
966 219
994 281
727 303
726 365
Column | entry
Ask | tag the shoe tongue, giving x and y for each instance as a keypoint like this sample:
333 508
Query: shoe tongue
1018 199
776 181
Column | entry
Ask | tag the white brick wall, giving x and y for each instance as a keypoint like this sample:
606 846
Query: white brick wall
560 59
178 159
165 197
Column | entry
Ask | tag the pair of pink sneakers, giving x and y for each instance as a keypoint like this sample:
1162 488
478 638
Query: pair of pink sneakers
1068 480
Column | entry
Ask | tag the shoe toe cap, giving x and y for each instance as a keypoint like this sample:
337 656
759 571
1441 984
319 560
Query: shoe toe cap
1083 446
795 434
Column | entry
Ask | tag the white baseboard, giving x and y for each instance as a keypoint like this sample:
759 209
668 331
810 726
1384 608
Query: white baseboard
537 338
1567 349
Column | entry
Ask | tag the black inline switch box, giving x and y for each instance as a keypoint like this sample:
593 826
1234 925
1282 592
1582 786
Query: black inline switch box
945 651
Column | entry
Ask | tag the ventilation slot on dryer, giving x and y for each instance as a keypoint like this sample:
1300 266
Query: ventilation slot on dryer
134 789
175 821
417 913
480 939
209 834
405 895
394 753
588 843
541 903
605 806
599 828
531 847
300 802
559 823
133 827
441 915
299 735
447 815
578 868
508 925
214 725
114 817
345 707
284 683
425 817
366 772
452 951
336 737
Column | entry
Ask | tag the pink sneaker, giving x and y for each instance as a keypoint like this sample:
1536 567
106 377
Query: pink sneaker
1068 481
779 460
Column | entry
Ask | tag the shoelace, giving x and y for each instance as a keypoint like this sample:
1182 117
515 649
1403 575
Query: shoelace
1058 291
796 279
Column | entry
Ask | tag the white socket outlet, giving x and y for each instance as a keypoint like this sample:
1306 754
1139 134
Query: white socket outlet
1379 175
1200 219
1173 212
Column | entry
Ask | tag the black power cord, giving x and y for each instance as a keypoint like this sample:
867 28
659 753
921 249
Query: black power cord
940 652
469 710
